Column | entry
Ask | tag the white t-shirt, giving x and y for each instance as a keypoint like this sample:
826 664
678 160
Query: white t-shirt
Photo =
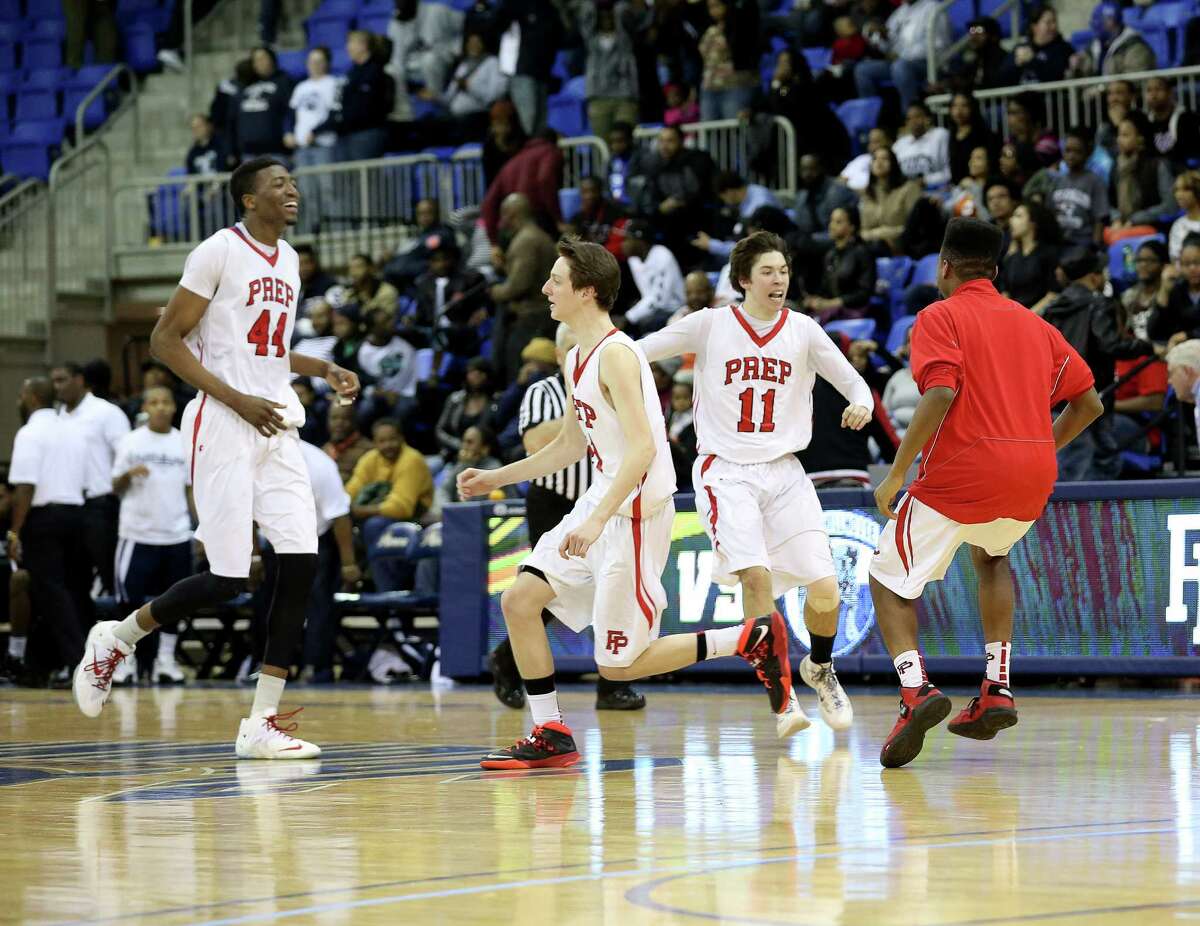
393 366
243 337
753 379
154 508
857 174
103 425
1180 229
927 156
312 101
328 491
659 280
51 455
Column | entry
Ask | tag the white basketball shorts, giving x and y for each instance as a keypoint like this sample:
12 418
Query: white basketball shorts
762 514
617 586
240 478
918 547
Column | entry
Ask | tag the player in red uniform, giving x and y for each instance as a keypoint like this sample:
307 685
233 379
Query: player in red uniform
989 371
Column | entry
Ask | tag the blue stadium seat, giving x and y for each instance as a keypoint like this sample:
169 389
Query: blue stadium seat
125 7
37 104
374 22
337 9
443 153
88 76
8 56
46 79
818 59
168 217
377 8
44 28
328 30
960 13
293 64
1117 253
561 60
340 62
93 116
892 274
11 31
10 10
899 330
391 553
1081 39
857 329
860 116
38 132
25 160
565 115
925 271
141 50
988 8
1160 43
41 53
575 88
568 202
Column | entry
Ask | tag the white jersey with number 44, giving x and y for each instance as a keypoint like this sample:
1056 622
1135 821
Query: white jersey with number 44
753 385
244 335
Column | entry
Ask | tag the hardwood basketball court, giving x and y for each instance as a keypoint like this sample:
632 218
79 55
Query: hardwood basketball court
691 812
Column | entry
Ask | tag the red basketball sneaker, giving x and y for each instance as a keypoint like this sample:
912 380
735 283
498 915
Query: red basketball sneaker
764 644
994 710
920 709
548 746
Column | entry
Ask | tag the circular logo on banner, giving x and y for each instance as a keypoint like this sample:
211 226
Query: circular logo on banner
853 536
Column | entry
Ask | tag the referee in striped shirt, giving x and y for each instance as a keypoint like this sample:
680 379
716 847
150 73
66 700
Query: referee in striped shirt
550 499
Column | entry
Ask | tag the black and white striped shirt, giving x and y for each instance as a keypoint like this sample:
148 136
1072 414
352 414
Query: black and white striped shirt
546 400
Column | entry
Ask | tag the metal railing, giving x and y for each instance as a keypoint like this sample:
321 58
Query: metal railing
79 232
1071 102
935 57
110 79
24 273
727 142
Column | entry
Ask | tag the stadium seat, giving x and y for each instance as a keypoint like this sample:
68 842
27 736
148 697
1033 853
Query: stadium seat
87 76
168 217
327 30
37 104
1081 39
377 23
38 132
25 159
47 28
141 50
892 275
899 330
377 8
561 61
8 56
857 329
96 112
925 271
565 115
10 10
818 59
575 88
46 79
337 9
1160 43
293 64
988 8
1117 253
860 116
960 14
391 553
41 53
568 202
11 31
340 62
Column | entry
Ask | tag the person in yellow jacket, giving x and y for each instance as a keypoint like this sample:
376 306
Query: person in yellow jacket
390 483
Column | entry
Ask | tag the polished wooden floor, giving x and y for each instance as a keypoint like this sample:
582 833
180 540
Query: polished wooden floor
1087 812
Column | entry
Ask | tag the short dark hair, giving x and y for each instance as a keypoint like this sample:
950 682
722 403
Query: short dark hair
1001 182
98 375
387 423
730 180
972 247
243 181
1157 248
921 105
486 435
309 250
1078 262
749 250
73 368
325 52
626 127
42 390
592 265
1191 241
852 214
1083 134
365 258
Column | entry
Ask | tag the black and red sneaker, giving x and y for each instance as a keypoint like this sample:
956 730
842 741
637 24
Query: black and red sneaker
994 710
920 709
547 746
764 644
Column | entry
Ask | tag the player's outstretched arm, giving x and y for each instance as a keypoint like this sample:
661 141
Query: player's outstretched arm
827 359
927 418
1080 412
678 338
621 374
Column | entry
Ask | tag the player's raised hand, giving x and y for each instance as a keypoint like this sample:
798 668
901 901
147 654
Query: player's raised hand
477 483
344 382
580 540
261 414
856 417
886 492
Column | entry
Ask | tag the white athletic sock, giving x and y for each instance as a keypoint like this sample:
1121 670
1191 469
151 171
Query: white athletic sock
267 695
16 647
998 655
166 646
723 641
544 708
910 666
129 631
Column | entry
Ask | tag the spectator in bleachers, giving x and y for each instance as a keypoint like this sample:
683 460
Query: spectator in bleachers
699 294
1139 300
1175 130
313 142
1041 56
621 156
900 394
368 290
681 108
1078 197
390 482
262 116
1026 114
681 429
314 282
368 94
887 202
450 299
1017 164
848 278
1140 188
1120 96
466 408
476 450
657 275
1027 269
346 444
599 219
924 149
313 336
611 83
676 189
979 65
412 259
503 140
794 96
906 45
208 152
729 50
857 172
388 368
474 86
740 200
223 110
967 196
1187 197
817 197
522 312
968 131
316 408
535 172
1002 200
1176 315
89 19
347 328
1088 320
426 38
1183 365
530 33
1116 48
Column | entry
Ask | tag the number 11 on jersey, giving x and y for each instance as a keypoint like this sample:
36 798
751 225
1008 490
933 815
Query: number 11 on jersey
746 422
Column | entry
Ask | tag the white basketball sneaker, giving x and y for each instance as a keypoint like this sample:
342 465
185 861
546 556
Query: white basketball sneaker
102 654
264 738
167 672
792 718
125 674
831 697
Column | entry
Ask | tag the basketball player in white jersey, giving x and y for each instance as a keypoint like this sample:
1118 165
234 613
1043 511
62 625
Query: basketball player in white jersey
754 373
602 564
226 330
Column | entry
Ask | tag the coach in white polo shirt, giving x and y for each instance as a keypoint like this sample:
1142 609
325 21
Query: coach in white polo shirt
1183 368
48 472
103 425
